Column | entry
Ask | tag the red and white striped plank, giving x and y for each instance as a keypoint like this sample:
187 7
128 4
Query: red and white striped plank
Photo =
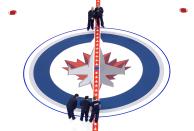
96 79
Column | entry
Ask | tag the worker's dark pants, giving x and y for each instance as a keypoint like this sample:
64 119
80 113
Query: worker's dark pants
95 114
99 19
90 24
84 113
70 113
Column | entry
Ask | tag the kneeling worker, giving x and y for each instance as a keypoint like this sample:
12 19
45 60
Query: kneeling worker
85 107
71 106
91 14
95 110
99 16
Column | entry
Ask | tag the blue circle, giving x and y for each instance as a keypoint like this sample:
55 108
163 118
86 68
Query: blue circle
146 83
149 77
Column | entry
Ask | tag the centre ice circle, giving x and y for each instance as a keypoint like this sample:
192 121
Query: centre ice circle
152 81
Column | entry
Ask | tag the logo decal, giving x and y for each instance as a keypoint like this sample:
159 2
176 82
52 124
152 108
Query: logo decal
50 74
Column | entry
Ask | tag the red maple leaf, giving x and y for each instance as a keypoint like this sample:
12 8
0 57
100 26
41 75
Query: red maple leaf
79 63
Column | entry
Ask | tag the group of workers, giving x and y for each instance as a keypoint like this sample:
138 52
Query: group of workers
85 105
95 14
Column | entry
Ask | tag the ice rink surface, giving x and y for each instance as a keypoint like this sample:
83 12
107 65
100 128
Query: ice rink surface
38 20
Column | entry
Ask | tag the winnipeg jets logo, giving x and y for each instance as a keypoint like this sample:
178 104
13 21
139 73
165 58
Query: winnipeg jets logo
107 69
133 70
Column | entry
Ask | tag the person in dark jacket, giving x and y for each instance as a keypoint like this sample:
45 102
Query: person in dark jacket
99 16
71 106
96 105
85 107
91 14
